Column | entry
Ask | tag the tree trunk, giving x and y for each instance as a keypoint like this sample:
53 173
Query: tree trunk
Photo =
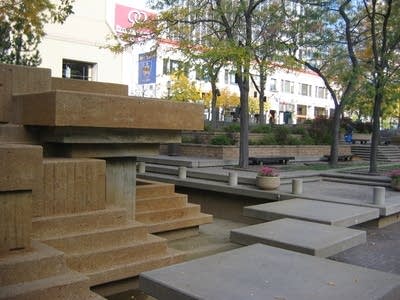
262 93
214 114
244 86
335 134
373 162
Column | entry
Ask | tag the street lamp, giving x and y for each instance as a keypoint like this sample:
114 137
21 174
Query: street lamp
169 89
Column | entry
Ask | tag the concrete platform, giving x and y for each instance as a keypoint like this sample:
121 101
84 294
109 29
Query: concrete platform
301 236
264 272
314 211
185 161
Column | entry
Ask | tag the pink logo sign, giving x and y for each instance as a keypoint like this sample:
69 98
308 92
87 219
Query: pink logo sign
126 16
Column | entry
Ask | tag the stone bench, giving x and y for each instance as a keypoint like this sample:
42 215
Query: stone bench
300 236
270 160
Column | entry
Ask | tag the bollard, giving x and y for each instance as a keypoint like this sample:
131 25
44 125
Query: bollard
182 172
379 196
142 167
297 186
233 178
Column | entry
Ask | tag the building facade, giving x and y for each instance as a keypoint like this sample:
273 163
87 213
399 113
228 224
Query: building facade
76 49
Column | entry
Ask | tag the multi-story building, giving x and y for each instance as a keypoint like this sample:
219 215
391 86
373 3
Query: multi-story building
76 49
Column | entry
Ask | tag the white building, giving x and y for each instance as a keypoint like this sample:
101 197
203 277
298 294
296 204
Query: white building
75 49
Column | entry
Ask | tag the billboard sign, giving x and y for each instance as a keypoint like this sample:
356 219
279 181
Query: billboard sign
147 67
126 16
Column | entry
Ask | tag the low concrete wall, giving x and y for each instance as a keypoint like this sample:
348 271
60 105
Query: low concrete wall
232 152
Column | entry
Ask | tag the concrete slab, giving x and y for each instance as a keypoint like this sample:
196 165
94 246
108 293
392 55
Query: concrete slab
184 161
264 272
301 236
351 192
313 210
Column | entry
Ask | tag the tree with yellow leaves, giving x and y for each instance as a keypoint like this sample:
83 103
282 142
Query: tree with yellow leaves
22 27
183 90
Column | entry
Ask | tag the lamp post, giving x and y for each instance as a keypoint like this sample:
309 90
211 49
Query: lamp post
169 89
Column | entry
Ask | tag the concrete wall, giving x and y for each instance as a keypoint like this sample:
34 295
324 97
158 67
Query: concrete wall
232 152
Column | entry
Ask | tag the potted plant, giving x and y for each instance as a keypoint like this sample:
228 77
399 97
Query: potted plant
268 178
395 176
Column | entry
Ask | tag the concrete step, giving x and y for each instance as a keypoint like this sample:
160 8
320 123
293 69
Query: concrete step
180 223
314 211
161 202
69 285
147 188
91 240
107 257
263 272
127 270
39 262
43 227
300 236
163 215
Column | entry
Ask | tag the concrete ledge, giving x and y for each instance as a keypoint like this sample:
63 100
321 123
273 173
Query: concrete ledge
67 108
301 236
263 272
89 86
313 210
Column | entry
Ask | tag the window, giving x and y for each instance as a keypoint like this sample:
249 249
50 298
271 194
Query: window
301 110
272 85
287 86
226 76
171 66
321 92
320 112
305 89
232 77
78 69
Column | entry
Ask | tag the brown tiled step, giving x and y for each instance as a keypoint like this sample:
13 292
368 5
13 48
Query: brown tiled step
101 258
120 235
43 227
69 285
146 188
190 221
128 270
26 265
161 202
168 214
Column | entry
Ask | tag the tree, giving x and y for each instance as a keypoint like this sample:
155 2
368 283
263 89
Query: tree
231 20
383 24
322 26
182 90
22 27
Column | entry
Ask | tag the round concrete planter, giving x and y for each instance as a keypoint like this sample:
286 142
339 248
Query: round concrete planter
395 183
268 182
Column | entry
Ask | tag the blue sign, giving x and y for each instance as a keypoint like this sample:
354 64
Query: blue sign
147 67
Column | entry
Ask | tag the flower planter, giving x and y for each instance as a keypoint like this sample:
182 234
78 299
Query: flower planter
268 182
395 183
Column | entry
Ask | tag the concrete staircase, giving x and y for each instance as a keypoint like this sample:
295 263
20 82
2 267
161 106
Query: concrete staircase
386 153
99 240
41 273
163 210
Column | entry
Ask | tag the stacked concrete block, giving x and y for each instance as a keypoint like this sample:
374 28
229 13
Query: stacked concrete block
20 167
20 80
71 186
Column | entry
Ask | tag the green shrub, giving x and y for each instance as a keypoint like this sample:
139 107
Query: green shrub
233 127
281 134
268 139
298 130
261 129
221 140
